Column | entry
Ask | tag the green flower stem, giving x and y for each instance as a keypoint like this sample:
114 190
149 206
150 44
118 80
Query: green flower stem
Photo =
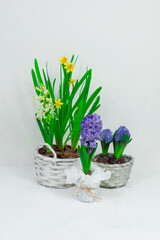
48 150
121 145
119 149
86 157
105 147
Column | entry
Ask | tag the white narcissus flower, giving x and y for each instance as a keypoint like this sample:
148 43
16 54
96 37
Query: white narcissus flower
41 111
49 100
52 109
40 98
46 92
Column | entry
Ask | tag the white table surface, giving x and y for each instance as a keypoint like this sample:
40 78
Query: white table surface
29 211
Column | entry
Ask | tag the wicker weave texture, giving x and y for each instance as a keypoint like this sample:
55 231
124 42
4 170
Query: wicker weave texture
50 171
120 173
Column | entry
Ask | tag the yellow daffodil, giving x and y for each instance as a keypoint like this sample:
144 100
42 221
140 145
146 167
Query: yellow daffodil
71 81
58 103
63 60
69 67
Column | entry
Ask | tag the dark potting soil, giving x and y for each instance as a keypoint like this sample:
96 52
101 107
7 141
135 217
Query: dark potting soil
109 159
67 152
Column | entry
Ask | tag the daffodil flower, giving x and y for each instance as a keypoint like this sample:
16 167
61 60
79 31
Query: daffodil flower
63 60
71 81
58 103
69 67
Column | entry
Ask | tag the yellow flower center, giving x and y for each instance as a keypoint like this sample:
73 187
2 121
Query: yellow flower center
63 60
69 67
71 81
58 103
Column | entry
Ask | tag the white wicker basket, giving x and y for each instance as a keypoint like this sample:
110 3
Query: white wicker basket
120 173
50 171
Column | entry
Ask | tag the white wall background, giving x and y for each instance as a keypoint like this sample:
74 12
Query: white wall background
119 39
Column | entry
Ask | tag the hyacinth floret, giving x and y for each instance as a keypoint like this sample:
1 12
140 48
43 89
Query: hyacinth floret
91 127
106 135
120 132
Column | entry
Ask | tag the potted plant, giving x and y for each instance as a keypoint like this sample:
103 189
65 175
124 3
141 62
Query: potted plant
88 177
118 163
59 114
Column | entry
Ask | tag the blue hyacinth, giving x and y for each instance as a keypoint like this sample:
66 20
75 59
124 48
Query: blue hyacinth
120 140
120 132
91 127
106 135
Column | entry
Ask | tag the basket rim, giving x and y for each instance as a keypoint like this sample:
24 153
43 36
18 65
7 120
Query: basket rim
131 161
36 153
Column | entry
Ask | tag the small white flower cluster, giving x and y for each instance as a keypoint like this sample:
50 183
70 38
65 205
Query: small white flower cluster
43 104
41 110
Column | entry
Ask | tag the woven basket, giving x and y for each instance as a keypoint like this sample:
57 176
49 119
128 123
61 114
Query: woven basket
120 173
50 171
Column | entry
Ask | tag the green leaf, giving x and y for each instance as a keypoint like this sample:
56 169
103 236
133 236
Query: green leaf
46 131
51 132
97 107
80 152
45 79
51 90
54 83
125 138
60 85
85 159
83 107
130 140
67 139
92 97
94 106
72 58
82 159
38 72
105 147
79 83
83 96
35 81
119 147
75 60
92 154
41 128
